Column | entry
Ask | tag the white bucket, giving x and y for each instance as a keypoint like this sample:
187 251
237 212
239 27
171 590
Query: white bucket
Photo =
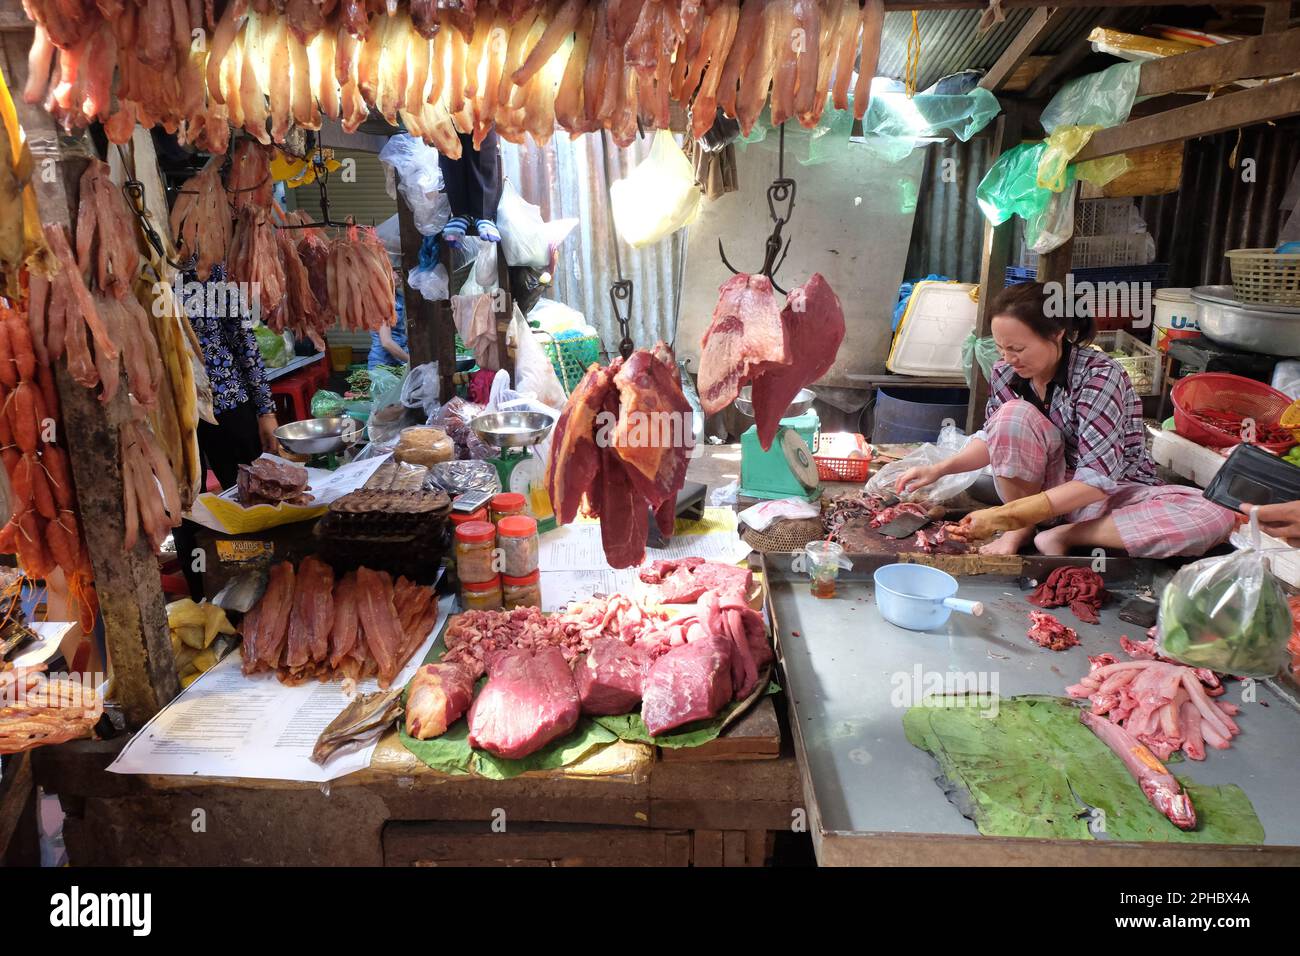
1175 317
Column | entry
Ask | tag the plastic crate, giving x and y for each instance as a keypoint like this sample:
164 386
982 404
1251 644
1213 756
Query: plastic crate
1102 217
1265 277
833 461
1096 252
1155 273
1139 361
570 356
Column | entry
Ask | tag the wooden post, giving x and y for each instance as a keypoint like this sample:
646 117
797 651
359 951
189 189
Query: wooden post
993 270
127 583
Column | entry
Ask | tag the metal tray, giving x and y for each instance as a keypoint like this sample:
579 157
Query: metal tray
872 796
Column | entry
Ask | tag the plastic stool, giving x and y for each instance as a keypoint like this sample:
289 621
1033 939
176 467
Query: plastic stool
292 397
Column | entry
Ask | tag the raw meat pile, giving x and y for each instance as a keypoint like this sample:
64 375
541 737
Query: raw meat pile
1046 631
615 654
775 351
686 581
1080 588
438 68
267 482
620 473
36 710
1164 705
1160 786
855 509
309 624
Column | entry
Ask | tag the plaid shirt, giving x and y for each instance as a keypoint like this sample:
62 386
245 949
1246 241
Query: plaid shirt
1092 402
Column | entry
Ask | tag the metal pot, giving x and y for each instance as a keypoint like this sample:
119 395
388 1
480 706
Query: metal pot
1271 330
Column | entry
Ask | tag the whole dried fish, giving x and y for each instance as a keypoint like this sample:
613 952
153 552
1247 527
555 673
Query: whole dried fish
359 724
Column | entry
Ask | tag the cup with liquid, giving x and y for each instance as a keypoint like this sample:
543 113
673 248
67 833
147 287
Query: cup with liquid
824 560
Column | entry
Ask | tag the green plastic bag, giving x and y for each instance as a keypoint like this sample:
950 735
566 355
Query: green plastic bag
275 353
1098 99
1099 172
385 386
325 404
982 350
1010 187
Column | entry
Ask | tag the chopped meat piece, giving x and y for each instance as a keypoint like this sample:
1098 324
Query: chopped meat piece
1160 786
686 580
1080 588
1046 631
529 700
689 683
609 677
438 695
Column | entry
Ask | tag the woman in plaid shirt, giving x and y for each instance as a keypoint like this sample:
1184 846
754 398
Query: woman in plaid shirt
1063 432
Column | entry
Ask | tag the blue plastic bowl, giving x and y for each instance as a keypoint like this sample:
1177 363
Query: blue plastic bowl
919 597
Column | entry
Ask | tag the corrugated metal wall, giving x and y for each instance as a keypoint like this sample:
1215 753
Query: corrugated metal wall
948 234
1215 209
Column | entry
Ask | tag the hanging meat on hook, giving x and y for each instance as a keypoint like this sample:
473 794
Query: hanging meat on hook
200 220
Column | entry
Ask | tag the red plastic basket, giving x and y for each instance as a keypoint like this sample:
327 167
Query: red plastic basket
840 467
1222 392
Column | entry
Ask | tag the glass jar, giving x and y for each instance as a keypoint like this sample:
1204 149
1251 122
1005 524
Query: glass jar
525 591
508 503
517 539
825 558
459 518
483 596
476 545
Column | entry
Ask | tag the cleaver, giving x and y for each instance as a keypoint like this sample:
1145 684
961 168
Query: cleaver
906 525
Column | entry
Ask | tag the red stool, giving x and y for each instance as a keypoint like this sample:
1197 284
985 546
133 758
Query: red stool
292 397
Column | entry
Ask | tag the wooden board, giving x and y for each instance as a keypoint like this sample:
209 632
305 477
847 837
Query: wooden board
755 736
1153 171
521 843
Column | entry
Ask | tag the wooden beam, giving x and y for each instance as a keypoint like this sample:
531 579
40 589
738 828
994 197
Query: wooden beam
430 332
128 584
1275 54
1040 23
1257 105
1277 16
993 270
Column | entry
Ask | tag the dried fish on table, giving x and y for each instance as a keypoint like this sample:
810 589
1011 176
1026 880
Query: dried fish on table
359 724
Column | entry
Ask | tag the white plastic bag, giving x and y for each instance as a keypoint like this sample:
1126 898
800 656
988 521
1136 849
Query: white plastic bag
534 373
658 197
430 283
420 179
526 240
483 278
556 317
421 387
949 486
1050 230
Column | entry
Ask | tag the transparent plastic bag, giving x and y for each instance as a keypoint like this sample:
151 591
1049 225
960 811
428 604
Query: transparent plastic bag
949 486
1010 187
1099 99
658 197
430 283
1226 613
326 404
526 240
483 277
895 121
421 387
1055 224
534 373
420 180
385 387
982 350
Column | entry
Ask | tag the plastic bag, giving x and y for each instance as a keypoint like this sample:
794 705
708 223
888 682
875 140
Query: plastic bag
1226 613
526 240
1099 172
534 373
1062 146
483 278
895 122
275 353
1010 187
1055 224
982 350
385 387
454 418
949 486
430 283
658 197
420 179
421 387
325 404
556 317
1099 99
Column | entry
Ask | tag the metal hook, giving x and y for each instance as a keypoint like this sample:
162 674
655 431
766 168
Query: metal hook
621 292
779 193
134 191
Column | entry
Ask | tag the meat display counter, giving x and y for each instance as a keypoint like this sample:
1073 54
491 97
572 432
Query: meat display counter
873 798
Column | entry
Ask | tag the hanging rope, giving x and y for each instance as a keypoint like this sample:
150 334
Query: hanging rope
912 68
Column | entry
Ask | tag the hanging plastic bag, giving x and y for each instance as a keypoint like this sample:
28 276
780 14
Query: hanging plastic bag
1098 99
982 350
1010 187
421 387
1099 172
526 240
420 180
1062 146
385 388
658 197
1055 224
483 277
1226 613
533 370
432 284
949 486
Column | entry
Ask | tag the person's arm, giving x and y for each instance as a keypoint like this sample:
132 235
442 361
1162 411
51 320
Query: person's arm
249 359
390 346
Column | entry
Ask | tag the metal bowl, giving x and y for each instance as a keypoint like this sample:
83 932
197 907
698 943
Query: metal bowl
1270 329
512 429
802 402
318 436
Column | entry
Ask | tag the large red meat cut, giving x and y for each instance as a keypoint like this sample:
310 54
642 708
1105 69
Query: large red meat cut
438 695
609 677
814 324
620 450
691 682
729 616
529 700
746 330
686 580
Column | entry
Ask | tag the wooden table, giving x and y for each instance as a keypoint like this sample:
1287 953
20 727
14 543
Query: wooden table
715 805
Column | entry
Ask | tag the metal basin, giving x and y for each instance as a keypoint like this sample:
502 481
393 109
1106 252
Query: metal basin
1272 330
802 402
512 429
318 436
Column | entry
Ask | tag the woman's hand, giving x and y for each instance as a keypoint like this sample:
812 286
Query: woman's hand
1281 520
266 426
914 479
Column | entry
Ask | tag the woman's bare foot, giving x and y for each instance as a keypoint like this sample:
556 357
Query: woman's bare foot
1010 543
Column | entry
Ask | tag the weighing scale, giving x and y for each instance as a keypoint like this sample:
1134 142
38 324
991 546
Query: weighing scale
787 469
515 433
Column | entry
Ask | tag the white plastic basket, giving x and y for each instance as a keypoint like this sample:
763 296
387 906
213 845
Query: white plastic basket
1104 217
1094 252
1140 361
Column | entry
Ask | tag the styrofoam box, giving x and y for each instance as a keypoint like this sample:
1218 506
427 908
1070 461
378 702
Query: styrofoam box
1184 457
939 318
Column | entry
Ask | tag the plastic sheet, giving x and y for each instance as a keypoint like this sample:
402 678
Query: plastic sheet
1099 172
1098 99
894 122
656 198
1010 187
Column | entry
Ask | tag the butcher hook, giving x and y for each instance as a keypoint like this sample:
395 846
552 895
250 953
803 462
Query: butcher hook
322 177
780 194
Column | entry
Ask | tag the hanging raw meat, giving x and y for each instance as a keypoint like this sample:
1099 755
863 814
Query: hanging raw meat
107 249
200 219
359 280
746 330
